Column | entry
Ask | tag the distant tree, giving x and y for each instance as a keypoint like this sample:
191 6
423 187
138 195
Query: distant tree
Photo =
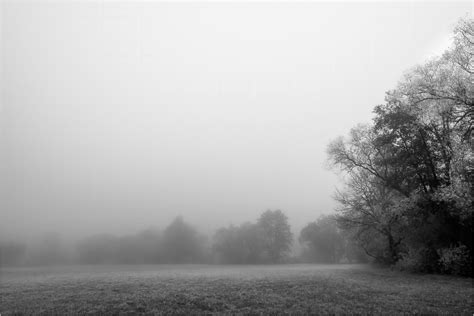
149 241
143 247
227 245
47 249
276 235
182 243
130 250
98 249
252 241
238 244
12 253
322 241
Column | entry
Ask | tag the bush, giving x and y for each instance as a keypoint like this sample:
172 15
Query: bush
418 260
455 260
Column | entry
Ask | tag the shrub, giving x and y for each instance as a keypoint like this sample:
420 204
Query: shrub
455 260
418 260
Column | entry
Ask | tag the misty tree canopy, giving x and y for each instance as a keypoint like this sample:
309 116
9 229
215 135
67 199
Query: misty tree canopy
268 240
322 241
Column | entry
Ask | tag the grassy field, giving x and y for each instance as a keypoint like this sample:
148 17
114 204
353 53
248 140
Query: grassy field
204 289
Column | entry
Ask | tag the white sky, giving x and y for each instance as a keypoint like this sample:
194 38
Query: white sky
117 116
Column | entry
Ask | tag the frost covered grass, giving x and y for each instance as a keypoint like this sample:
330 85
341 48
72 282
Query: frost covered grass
207 289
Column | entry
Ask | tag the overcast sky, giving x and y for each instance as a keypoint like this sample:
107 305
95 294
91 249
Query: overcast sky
120 116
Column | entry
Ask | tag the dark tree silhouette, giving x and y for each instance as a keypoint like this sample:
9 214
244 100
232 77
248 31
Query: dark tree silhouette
411 178
182 243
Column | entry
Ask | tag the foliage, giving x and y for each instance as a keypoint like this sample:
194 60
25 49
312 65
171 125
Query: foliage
276 235
182 243
455 260
322 241
418 260
178 243
410 175
268 240
369 202
239 244
353 250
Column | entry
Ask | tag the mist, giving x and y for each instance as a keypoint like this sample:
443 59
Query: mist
221 157
118 117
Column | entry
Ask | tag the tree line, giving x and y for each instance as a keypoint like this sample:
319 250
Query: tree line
408 198
267 240
408 195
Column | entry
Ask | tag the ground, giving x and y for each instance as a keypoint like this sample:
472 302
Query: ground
208 289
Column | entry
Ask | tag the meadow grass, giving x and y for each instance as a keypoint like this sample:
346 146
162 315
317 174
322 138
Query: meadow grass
209 289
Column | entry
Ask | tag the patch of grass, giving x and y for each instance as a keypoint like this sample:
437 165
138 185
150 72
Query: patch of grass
200 289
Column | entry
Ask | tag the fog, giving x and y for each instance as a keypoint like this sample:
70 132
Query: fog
119 116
